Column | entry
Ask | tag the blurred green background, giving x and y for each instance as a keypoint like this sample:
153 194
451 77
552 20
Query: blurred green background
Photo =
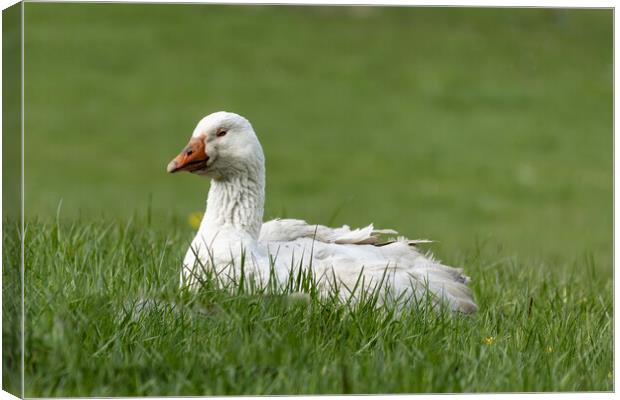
459 125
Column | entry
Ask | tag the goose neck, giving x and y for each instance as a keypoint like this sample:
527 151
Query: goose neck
236 202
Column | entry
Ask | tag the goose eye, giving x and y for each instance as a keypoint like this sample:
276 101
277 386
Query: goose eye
221 132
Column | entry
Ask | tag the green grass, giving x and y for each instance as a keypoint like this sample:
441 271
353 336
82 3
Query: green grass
442 123
489 130
105 317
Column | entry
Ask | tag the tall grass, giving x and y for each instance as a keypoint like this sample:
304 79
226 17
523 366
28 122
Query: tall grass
104 317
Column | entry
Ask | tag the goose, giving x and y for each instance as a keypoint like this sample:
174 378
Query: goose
225 148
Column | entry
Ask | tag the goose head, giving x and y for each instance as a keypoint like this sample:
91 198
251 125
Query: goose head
222 145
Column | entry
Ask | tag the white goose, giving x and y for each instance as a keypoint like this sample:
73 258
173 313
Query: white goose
225 148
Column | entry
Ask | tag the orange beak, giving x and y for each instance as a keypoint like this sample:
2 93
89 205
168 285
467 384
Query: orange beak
192 158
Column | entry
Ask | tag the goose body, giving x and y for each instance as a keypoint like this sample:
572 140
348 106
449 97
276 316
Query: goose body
225 148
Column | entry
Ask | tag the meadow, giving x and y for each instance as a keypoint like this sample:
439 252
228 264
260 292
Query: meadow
488 130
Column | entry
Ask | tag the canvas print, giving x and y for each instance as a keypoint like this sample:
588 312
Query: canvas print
205 200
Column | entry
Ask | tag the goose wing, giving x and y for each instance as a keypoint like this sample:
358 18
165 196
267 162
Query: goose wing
284 230
405 269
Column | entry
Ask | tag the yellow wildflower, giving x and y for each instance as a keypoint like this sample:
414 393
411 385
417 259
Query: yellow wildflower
489 340
549 349
194 219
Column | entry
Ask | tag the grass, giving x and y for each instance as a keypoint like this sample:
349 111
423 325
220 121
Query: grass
105 318
440 123
489 130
